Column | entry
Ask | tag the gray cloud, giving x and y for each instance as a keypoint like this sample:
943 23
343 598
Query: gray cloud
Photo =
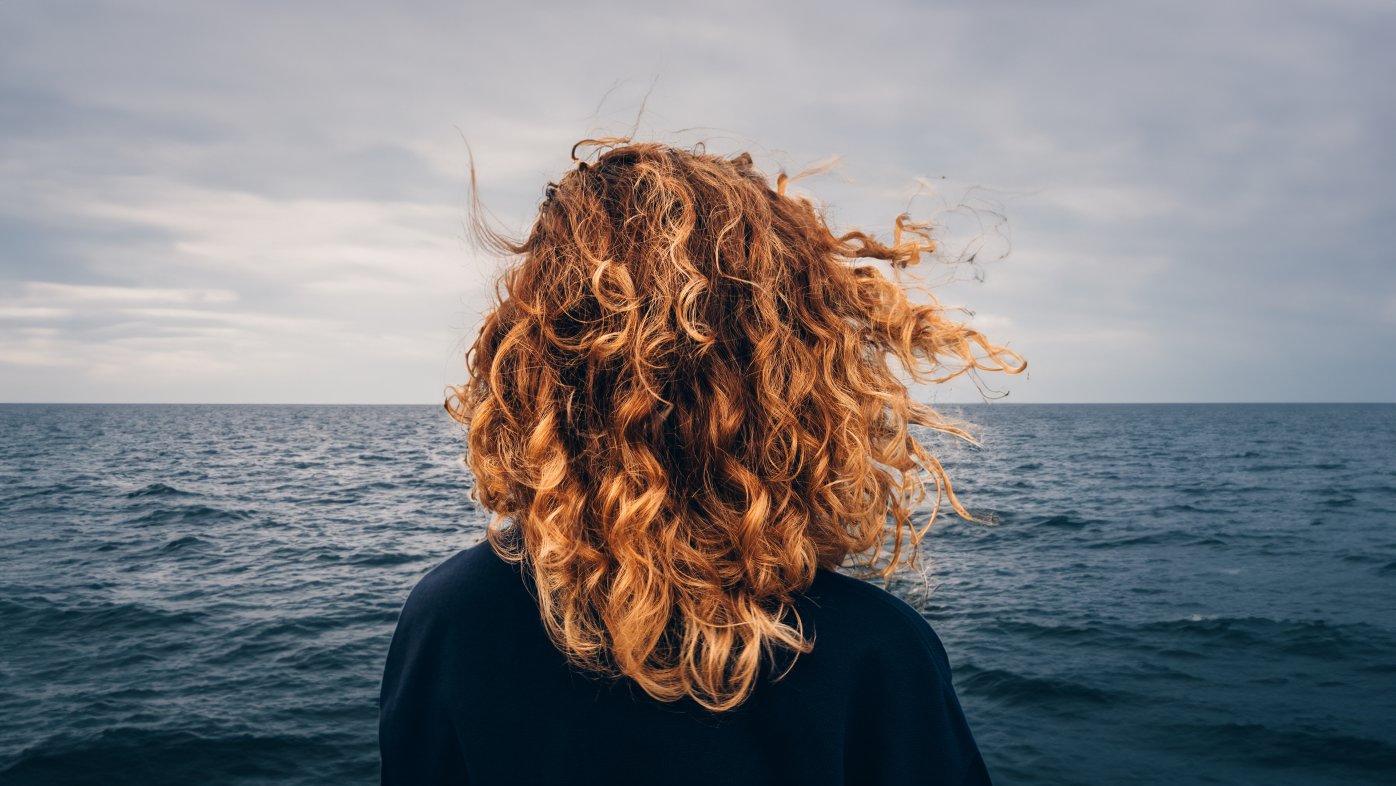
1199 195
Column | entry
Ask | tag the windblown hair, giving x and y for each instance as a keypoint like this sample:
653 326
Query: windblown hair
684 399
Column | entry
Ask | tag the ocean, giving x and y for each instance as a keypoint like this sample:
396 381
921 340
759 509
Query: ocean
1169 593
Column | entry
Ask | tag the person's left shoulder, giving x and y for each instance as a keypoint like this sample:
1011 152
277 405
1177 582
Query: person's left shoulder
466 586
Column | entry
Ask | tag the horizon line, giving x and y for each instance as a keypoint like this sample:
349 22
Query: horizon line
420 404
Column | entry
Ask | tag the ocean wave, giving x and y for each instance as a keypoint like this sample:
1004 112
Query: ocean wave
382 558
1067 521
156 490
1050 693
190 514
1089 634
1214 636
1311 639
1314 748
1170 537
153 757
41 615
185 543
42 491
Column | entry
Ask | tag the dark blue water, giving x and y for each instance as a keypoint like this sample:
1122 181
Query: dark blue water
1172 593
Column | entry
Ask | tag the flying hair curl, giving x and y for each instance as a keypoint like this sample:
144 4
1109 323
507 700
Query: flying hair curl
684 401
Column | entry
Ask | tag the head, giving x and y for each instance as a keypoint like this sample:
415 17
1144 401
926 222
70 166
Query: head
687 400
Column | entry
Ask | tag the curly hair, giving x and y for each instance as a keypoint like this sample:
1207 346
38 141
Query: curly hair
683 398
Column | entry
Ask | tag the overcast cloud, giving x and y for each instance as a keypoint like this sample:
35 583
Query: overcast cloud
265 202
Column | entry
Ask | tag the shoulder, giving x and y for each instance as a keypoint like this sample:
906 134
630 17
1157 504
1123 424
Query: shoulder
880 619
905 723
467 585
430 663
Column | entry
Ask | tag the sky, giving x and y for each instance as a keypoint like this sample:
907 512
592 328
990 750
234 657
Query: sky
266 202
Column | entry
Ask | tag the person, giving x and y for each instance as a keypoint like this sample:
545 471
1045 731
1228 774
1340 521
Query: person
685 415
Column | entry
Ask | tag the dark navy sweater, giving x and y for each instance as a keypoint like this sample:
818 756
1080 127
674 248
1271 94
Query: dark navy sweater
474 692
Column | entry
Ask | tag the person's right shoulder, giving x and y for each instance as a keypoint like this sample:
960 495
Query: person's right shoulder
905 723
880 619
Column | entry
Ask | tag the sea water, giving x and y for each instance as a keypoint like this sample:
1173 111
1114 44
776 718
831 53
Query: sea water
1169 593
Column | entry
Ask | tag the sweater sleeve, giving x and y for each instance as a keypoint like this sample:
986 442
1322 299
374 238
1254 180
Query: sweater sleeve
416 736
906 725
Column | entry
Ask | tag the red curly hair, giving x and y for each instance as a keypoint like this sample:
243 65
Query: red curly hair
685 402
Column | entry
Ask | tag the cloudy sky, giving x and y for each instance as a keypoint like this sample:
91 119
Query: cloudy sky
266 202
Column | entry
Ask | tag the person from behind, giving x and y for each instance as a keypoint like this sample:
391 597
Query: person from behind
686 414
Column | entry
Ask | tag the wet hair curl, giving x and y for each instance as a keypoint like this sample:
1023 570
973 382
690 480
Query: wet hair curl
684 401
